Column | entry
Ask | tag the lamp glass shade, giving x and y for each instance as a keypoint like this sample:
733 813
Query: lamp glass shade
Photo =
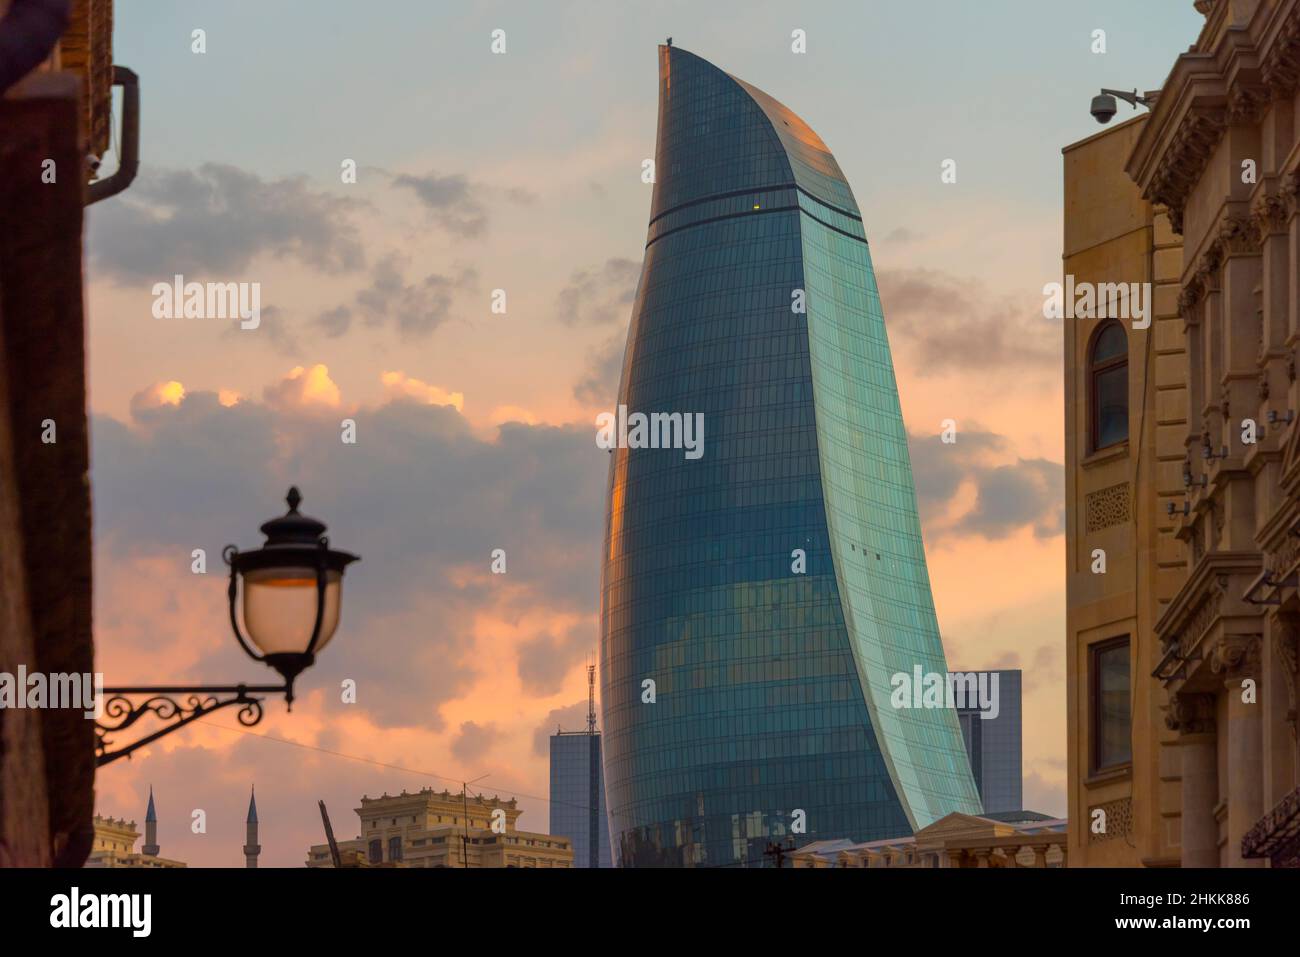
280 608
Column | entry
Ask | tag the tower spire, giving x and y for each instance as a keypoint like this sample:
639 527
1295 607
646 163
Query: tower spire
591 699
251 848
150 847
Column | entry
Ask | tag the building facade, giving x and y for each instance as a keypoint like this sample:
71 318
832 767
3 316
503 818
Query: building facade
1014 839
757 598
443 829
1183 666
578 796
55 107
114 843
993 742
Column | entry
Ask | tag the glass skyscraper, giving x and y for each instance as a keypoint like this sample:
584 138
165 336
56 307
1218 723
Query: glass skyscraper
756 601
578 796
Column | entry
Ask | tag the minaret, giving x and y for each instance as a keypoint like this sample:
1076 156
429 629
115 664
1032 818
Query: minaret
150 846
252 848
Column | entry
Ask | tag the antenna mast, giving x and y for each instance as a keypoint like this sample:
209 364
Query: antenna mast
591 699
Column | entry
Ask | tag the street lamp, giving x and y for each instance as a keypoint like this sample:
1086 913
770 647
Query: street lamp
292 591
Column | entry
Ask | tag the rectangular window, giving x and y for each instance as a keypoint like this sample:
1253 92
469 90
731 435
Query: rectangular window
1109 695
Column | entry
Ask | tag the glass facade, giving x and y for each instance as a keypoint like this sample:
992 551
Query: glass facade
578 787
755 602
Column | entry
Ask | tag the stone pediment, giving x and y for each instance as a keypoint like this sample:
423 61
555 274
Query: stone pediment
961 826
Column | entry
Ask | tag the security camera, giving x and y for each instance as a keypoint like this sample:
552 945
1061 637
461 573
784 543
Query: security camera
1103 107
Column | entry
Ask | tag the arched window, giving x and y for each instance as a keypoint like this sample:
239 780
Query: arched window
376 851
1108 387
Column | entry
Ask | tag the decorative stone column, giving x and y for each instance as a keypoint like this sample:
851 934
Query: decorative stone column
1192 715
1237 658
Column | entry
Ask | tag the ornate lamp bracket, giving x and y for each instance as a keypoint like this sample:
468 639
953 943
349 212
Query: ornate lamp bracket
122 708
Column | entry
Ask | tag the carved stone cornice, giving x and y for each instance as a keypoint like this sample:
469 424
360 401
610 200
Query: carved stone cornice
1190 713
1236 656
1198 624
1246 104
1269 215
1289 192
1286 645
1237 237
1183 162
1284 558
1280 64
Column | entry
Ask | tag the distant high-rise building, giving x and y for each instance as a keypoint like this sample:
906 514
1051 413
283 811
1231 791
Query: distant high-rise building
578 789
444 829
993 743
764 576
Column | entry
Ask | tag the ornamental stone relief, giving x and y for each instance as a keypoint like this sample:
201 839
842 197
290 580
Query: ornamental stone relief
1190 713
1236 656
1118 817
1107 507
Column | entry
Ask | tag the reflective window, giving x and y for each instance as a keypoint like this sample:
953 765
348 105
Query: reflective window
1108 371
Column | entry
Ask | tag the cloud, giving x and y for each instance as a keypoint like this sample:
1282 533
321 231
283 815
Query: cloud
473 741
213 221
420 497
569 718
545 661
452 201
598 383
599 295
948 324
399 384
415 311
305 387
1007 496
902 235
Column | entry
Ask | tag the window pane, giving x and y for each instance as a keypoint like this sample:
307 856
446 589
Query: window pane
1109 344
1112 704
1112 406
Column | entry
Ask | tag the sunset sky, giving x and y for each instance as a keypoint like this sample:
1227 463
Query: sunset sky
475 430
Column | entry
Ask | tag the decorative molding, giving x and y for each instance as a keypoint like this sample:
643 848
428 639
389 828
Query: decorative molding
1269 216
1199 623
1286 644
1184 161
1190 713
1280 66
1236 656
1108 507
1119 820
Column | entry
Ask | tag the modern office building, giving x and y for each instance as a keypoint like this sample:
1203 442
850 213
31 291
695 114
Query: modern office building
578 788
757 597
993 745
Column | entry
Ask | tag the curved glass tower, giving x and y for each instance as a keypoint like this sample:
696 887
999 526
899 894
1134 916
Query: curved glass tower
757 600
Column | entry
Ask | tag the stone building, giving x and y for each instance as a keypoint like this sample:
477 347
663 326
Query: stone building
444 829
115 839
54 106
1012 839
1182 648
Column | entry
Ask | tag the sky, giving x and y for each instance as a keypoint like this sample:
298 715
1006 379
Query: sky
521 172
